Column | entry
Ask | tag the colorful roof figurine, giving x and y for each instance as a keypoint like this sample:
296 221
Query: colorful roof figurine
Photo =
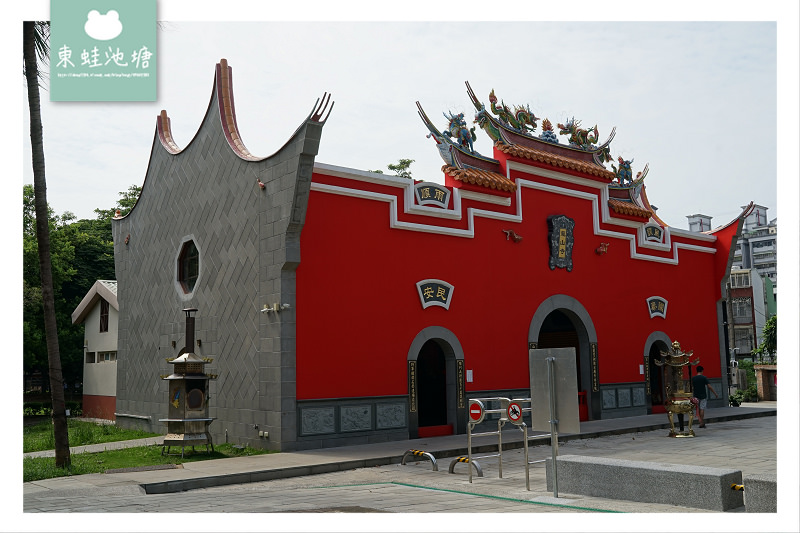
626 194
515 128
462 162
513 131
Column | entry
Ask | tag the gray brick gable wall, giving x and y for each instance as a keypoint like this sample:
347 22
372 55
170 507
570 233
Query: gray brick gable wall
249 245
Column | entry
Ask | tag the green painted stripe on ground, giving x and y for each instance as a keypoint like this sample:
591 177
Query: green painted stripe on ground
576 507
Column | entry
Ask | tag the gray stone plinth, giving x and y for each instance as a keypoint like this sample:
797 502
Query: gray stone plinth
761 493
687 486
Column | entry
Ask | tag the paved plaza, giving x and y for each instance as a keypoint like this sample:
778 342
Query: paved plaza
747 444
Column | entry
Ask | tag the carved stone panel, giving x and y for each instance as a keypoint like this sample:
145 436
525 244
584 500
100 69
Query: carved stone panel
609 399
623 397
317 420
355 418
639 397
390 415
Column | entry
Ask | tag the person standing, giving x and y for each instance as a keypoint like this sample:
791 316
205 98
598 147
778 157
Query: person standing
699 385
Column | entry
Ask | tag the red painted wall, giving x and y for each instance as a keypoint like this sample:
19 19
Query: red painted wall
358 309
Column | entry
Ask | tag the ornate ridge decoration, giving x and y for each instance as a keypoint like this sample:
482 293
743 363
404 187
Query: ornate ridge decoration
319 109
623 175
579 137
227 110
450 151
627 208
548 134
521 119
223 89
514 128
553 159
165 133
476 176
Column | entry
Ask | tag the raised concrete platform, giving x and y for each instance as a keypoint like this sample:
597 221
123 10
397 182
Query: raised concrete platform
760 493
641 481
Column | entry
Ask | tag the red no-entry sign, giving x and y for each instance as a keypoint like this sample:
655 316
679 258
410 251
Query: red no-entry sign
476 411
514 412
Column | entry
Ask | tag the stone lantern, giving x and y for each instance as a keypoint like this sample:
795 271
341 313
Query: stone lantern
188 420
677 368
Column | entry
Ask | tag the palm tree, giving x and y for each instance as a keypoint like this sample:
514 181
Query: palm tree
36 47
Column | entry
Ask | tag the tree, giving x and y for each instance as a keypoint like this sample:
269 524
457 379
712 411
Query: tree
400 169
769 344
35 48
124 205
81 252
62 261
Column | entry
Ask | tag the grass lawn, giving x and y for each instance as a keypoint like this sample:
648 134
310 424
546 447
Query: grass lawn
35 468
40 436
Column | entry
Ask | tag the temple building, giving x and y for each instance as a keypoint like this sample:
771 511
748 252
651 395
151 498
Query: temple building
338 306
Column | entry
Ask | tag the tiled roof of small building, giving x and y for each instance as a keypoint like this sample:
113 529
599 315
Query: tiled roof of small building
627 208
554 159
485 178
110 284
102 289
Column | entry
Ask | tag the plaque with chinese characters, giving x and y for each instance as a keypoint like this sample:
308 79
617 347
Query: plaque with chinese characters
657 306
561 241
653 233
429 193
434 292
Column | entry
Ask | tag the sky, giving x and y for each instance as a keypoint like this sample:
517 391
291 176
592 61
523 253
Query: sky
695 100
708 99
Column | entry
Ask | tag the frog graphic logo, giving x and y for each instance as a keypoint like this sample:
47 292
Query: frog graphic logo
103 27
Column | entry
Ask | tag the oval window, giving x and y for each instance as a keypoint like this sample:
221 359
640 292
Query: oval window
188 266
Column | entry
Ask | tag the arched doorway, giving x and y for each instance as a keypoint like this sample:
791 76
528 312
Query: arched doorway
432 385
656 343
558 331
436 398
562 322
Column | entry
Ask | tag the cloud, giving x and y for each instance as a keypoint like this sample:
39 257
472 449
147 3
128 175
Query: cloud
103 27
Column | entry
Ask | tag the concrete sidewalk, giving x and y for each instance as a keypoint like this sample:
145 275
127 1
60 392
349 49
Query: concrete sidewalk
221 472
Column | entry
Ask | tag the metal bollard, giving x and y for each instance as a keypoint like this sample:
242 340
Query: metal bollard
463 459
422 454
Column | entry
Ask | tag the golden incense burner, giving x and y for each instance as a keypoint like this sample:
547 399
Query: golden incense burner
676 365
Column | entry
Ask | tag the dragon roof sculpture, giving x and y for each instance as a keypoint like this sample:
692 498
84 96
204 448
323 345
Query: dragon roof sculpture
459 153
513 132
516 128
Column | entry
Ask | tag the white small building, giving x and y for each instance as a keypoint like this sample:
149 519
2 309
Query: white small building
99 312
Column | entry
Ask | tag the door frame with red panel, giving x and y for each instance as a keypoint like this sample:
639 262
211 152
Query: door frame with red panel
455 395
589 401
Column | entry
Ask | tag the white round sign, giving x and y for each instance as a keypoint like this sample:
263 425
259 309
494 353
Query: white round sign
514 412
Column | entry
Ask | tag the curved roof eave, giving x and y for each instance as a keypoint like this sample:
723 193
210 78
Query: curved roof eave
746 210
223 90
646 202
